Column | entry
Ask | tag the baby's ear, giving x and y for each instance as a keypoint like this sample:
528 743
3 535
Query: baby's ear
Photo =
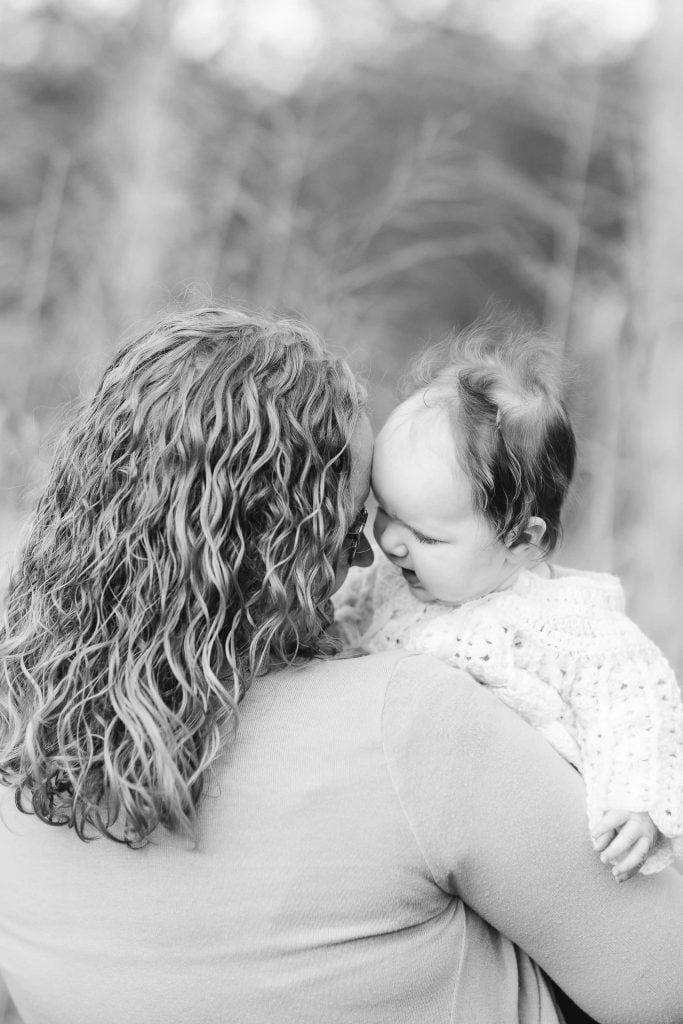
527 541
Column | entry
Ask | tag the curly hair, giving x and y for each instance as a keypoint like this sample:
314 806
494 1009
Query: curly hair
185 543
500 383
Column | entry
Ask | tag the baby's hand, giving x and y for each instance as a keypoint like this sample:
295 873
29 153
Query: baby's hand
624 839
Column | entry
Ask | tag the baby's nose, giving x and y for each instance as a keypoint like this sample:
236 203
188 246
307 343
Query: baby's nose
389 537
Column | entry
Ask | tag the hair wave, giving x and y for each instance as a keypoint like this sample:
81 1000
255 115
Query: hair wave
185 543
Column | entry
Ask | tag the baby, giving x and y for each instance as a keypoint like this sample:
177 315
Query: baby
470 474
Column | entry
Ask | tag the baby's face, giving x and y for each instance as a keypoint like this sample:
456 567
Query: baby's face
425 523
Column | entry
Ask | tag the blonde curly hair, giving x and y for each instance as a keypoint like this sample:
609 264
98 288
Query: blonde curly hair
186 542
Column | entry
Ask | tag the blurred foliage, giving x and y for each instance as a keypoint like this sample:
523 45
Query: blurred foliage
385 202
386 198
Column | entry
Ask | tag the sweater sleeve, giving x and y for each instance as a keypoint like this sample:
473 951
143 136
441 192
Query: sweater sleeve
629 728
500 821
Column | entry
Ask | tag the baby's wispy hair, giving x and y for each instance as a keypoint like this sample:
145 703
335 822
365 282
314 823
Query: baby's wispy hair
501 382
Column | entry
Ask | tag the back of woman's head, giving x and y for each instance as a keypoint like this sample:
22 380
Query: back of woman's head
185 543
500 382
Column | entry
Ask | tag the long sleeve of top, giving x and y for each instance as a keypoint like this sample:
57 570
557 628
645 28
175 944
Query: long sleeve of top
562 653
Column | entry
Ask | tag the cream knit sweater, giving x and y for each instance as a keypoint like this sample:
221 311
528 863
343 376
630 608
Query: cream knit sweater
562 653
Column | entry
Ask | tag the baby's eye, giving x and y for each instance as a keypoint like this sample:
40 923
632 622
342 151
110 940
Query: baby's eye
425 540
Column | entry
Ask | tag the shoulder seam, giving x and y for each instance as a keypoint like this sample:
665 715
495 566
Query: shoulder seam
390 773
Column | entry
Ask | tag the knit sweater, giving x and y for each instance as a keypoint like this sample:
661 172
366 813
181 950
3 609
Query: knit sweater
562 653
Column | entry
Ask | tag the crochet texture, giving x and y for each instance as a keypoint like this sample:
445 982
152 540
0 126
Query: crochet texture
562 653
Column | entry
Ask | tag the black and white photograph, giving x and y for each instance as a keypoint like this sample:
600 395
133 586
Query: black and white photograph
341 512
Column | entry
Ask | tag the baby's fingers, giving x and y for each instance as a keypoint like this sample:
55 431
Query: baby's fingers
601 842
633 860
610 822
605 829
625 840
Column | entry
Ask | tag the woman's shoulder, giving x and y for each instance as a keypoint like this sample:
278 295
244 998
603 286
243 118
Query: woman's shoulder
396 668
408 684
433 672
425 694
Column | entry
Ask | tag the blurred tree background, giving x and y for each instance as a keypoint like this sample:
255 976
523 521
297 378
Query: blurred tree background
383 168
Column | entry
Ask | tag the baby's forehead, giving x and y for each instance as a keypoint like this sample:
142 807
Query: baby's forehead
421 418
417 434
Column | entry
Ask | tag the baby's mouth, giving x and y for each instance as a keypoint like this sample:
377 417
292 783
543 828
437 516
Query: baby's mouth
410 577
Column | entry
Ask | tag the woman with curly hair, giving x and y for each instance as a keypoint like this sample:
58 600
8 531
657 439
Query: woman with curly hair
251 828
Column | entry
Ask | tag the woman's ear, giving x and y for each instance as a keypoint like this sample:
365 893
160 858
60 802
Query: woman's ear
528 540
